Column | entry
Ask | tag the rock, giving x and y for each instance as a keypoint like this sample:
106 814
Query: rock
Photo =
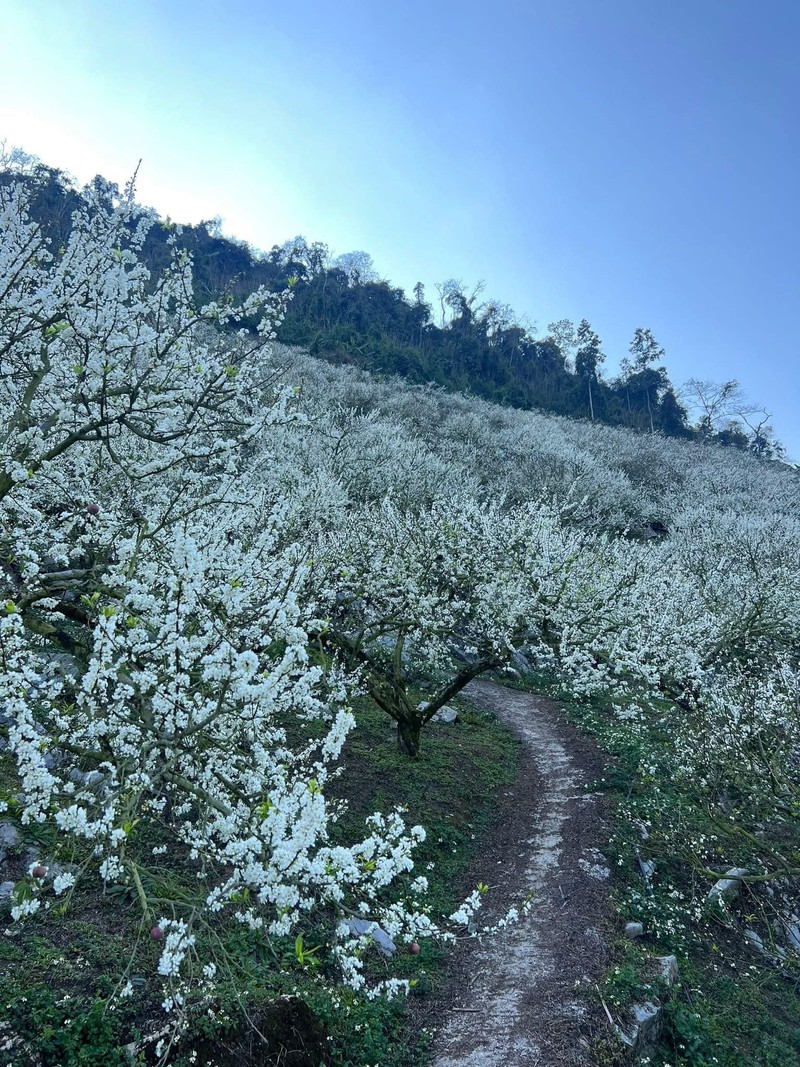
64 665
6 889
88 779
389 644
445 715
668 969
793 932
9 839
725 803
521 663
642 1034
9 835
11 1042
648 869
461 651
596 940
727 888
380 937
775 954
595 870
633 930
756 941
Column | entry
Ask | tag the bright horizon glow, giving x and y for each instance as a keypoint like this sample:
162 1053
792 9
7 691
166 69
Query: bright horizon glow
628 164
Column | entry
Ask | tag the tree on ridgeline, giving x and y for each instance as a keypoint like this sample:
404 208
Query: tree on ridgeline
588 357
727 417
645 351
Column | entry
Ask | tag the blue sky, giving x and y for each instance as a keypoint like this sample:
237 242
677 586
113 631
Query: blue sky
633 163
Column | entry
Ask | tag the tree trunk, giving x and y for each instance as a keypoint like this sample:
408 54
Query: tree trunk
408 732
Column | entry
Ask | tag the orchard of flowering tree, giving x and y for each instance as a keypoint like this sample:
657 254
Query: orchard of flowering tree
212 546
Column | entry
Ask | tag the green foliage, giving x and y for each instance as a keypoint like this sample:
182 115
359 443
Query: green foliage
731 1007
63 1031
724 1019
626 982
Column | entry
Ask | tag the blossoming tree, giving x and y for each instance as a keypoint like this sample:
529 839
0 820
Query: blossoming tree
153 645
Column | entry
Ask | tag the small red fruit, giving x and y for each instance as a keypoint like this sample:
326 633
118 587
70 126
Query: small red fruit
413 948
156 933
93 509
39 871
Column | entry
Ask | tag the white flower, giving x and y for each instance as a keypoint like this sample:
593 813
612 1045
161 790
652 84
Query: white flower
62 882
24 909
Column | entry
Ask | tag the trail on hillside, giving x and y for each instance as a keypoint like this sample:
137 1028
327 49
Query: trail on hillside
510 999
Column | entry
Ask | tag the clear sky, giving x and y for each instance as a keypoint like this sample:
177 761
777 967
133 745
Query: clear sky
632 162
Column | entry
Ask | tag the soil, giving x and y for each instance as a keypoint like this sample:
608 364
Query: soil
510 997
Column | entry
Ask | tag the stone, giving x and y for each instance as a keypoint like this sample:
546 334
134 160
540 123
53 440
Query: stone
9 839
461 652
793 932
775 954
11 1042
648 869
594 863
643 1032
6 889
88 779
728 888
521 663
667 967
385 944
756 941
9 835
389 644
445 715
633 930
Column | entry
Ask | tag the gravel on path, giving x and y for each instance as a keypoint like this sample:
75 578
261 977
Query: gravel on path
510 998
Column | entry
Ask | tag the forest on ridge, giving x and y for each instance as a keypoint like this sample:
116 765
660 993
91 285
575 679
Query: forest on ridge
455 336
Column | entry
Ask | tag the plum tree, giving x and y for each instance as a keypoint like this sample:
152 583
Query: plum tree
153 636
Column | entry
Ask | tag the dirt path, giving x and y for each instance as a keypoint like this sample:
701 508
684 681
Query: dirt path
511 997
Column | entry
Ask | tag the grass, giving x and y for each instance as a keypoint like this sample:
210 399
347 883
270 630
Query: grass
58 971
